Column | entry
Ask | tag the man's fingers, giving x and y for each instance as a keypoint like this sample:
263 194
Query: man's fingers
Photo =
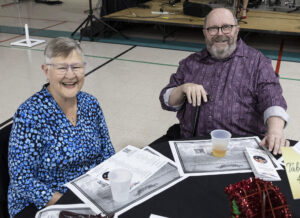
282 144
194 93
188 96
271 142
287 143
263 142
194 97
199 94
277 144
198 97
204 96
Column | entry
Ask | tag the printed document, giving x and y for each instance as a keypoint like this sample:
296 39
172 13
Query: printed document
140 163
196 159
152 173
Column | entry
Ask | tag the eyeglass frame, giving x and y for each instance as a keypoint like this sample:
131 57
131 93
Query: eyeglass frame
69 66
221 27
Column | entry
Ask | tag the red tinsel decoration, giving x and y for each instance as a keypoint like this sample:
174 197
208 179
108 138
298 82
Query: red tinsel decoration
256 198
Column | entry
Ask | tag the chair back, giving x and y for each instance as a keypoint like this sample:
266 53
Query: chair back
4 180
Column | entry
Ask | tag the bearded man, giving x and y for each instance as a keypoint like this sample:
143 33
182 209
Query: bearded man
245 96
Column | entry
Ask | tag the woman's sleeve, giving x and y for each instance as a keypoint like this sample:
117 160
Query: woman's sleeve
25 147
107 148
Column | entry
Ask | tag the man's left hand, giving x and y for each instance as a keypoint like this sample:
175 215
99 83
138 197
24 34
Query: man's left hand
275 138
274 142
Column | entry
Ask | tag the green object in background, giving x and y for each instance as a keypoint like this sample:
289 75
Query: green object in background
235 209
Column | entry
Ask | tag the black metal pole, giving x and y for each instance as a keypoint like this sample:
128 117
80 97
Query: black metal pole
196 119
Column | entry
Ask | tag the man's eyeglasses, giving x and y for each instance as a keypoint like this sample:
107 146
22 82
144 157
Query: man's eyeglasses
226 29
62 69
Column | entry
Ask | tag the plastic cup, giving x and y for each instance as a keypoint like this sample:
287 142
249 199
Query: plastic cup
220 139
120 180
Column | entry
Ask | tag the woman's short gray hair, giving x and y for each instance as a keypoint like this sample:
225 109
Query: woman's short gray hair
61 47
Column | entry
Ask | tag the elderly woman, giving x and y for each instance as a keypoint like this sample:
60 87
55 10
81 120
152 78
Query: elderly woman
58 134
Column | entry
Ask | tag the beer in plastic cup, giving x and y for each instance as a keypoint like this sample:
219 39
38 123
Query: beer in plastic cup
220 139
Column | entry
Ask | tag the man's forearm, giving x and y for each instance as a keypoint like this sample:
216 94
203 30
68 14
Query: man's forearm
177 96
275 124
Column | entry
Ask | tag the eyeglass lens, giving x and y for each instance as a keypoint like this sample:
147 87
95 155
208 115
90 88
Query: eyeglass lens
225 29
63 68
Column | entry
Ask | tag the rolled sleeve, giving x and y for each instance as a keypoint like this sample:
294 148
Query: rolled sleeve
276 111
167 97
176 79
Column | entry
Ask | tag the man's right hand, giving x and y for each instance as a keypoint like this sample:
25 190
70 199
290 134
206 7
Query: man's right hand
193 92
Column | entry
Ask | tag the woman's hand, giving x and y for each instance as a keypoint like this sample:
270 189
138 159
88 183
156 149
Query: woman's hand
55 197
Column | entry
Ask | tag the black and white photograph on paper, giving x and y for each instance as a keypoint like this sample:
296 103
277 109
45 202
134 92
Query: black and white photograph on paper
195 156
261 165
95 191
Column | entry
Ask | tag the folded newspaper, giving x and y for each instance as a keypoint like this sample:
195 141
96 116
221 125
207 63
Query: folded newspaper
152 173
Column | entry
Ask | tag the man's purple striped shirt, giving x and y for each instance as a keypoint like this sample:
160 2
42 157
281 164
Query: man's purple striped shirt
241 87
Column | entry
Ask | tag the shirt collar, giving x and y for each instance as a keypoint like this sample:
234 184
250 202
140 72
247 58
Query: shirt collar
45 92
79 95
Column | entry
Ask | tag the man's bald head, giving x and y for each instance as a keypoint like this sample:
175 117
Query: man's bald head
219 13
220 32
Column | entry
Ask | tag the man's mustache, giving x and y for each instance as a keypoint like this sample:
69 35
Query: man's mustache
220 38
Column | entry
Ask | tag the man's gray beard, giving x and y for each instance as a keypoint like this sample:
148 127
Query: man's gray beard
221 54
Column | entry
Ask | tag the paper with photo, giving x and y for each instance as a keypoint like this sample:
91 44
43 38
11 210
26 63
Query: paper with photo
261 165
128 158
196 159
95 191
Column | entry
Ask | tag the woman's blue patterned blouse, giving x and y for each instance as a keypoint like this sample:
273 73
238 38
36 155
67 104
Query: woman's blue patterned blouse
46 150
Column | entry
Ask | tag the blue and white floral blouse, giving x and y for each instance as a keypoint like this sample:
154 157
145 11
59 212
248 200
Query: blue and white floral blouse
46 150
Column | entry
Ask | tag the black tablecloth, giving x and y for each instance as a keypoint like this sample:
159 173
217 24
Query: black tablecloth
201 196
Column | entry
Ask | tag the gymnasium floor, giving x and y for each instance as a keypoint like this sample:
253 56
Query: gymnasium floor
125 75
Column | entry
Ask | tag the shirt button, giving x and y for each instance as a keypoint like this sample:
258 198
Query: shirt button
211 99
209 116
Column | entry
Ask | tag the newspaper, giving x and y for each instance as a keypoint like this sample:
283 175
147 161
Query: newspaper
128 158
54 210
94 190
196 159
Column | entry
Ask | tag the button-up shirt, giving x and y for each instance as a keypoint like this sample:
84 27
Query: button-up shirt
243 88
46 150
